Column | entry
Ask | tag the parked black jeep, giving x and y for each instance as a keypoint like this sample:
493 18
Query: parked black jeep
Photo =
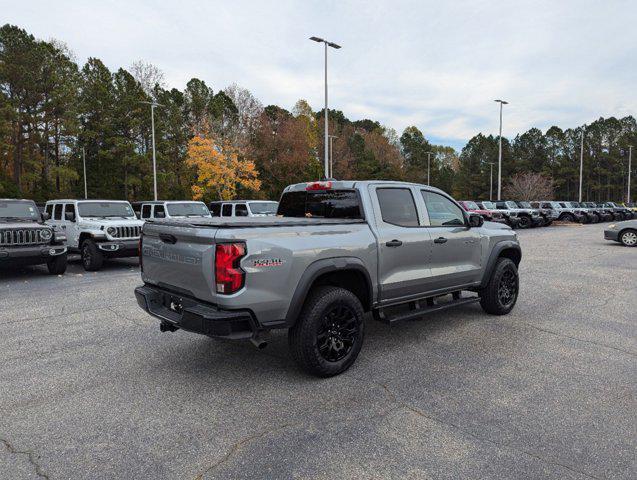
26 240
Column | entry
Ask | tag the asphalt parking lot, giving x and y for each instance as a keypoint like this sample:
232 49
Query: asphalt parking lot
90 388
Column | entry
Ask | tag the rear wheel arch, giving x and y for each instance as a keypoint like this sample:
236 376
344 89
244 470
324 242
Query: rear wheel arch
348 273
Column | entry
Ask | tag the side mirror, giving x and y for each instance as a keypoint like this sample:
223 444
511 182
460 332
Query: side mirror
475 220
69 216
45 216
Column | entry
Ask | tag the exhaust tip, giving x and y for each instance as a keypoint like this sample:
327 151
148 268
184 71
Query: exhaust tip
259 343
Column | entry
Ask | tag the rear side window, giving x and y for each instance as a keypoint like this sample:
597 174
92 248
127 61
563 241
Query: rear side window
397 206
226 211
321 204
442 211
146 211
57 212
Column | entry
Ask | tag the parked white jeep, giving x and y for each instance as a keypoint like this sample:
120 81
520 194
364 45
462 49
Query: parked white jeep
97 229
170 209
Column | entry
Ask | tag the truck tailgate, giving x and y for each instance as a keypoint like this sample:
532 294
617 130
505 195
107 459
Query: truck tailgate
180 258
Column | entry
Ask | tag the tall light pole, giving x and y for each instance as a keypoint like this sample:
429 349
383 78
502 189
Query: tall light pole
335 46
581 163
152 124
332 137
428 166
630 158
84 165
501 102
491 182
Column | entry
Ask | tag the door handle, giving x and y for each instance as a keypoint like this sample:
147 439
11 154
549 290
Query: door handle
394 243
440 240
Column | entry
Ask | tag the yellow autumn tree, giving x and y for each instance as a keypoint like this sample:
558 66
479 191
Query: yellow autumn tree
220 169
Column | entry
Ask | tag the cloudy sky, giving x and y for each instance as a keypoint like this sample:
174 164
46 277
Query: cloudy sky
437 65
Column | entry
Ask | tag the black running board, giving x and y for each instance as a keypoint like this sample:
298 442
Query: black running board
417 311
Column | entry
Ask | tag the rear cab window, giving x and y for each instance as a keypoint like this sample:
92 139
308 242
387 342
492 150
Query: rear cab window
337 203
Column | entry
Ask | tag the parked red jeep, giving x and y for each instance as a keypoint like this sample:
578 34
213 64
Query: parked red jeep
488 215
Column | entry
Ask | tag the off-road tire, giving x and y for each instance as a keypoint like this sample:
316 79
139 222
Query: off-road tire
568 217
57 265
92 258
303 337
628 238
490 296
525 221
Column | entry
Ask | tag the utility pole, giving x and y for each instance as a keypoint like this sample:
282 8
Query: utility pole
428 167
501 102
335 46
332 137
152 124
84 165
630 158
581 163
491 182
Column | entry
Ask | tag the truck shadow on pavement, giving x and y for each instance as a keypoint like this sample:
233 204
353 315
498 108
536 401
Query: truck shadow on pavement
205 357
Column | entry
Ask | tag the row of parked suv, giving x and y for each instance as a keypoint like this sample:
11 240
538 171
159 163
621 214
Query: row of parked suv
519 214
101 229
96 229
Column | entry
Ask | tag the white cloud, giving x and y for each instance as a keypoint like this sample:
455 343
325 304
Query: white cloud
437 65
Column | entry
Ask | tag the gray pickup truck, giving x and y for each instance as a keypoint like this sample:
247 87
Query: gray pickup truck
335 250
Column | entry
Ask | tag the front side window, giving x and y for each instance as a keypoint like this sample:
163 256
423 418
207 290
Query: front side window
442 211
215 209
160 211
226 210
70 209
397 206
105 209
49 209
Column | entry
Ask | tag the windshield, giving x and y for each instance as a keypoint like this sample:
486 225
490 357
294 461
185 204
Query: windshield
471 205
525 204
188 209
511 204
264 208
105 209
19 210
489 205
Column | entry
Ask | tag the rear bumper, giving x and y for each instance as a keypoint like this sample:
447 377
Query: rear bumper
119 248
611 235
30 255
194 316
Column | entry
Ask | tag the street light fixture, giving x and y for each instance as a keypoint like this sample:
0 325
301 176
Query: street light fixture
501 102
335 46
152 123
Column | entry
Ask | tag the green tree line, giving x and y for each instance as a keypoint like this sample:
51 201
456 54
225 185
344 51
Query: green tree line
55 112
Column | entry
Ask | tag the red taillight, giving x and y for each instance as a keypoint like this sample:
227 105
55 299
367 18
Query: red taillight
318 186
228 275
